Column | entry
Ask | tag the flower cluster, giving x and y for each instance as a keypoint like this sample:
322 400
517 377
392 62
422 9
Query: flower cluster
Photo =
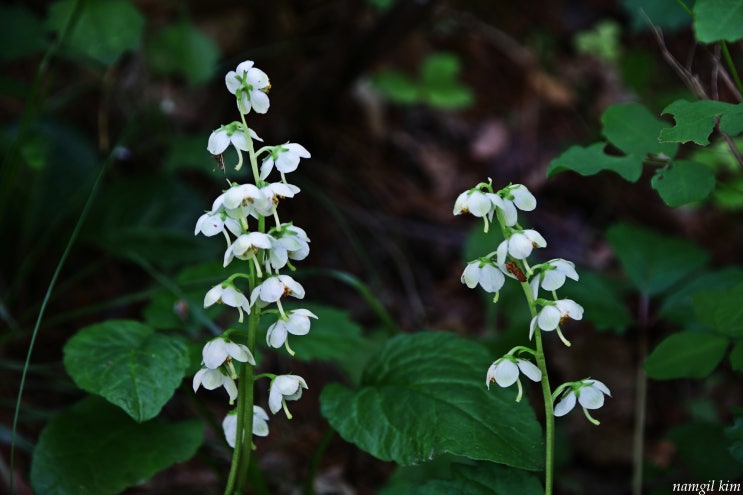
246 214
509 260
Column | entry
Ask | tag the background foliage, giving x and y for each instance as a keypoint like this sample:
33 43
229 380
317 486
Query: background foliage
106 106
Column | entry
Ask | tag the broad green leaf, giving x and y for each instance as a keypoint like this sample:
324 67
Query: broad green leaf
593 159
93 448
424 395
678 305
686 355
653 262
396 86
704 449
683 182
634 130
181 49
601 300
21 33
721 310
440 85
104 29
716 20
482 479
736 356
734 435
128 364
728 195
695 120
665 14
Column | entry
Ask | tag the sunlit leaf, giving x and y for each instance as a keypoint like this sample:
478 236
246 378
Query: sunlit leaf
396 86
683 182
104 29
716 20
695 120
686 355
652 261
424 395
593 159
632 128
128 364
93 448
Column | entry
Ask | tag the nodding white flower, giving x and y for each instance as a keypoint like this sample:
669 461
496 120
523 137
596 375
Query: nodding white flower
476 202
243 200
274 288
249 85
229 295
551 275
219 350
588 393
286 158
246 246
519 245
515 196
297 322
232 133
214 222
505 371
484 273
215 378
288 242
260 425
553 314
277 191
284 388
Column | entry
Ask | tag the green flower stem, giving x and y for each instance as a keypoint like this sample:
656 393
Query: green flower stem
549 409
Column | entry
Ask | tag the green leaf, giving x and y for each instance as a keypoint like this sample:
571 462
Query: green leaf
602 301
653 262
665 14
128 364
716 20
704 449
683 182
678 306
181 49
104 30
721 310
695 120
593 159
686 355
21 33
482 479
736 356
93 448
734 435
634 130
396 86
440 85
424 395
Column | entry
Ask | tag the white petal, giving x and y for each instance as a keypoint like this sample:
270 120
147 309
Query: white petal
231 388
599 385
535 237
298 324
461 203
519 246
271 290
523 198
532 326
212 378
198 377
214 354
213 295
231 81
530 370
297 149
565 405
229 427
590 397
471 275
266 167
490 377
218 142
260 422
239 141
274 399
243 67
570 308
491 279
553 279
259 100
276 335
534 284
549 318
479 204
257 78
240 353
501 253
506 373
510 215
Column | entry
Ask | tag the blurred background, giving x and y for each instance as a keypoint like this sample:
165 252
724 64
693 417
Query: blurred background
403 105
